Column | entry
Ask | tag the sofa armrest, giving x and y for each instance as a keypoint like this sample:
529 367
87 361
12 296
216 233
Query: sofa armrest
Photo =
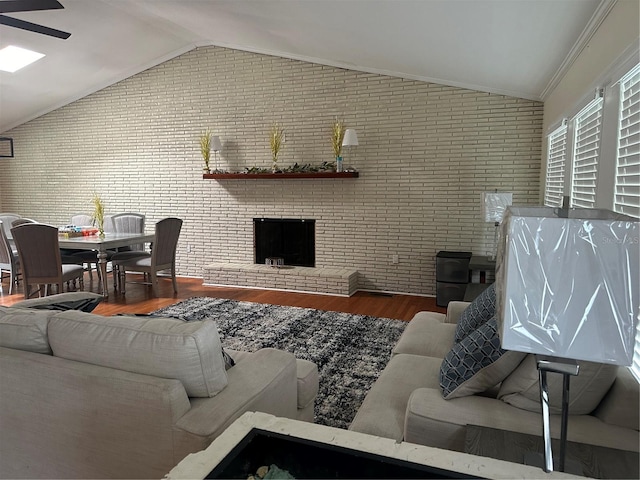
454 310
265 381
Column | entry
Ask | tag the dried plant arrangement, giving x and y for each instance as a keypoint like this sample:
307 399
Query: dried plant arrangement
276 140
205 148
97 218
337 137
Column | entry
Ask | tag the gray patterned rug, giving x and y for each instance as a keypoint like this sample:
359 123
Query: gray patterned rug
349 350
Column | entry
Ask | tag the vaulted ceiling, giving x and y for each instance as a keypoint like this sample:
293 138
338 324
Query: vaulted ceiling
511 47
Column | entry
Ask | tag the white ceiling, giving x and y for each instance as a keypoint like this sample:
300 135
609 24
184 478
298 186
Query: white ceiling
511 47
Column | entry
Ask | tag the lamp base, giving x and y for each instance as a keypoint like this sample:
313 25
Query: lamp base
536 459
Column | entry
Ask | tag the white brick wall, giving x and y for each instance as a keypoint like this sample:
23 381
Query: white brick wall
426 153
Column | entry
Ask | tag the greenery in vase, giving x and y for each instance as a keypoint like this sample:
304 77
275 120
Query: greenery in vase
337 137
97 218
276 140
205 147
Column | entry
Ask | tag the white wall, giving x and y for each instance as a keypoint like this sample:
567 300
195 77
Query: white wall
611 52
618 31
426 153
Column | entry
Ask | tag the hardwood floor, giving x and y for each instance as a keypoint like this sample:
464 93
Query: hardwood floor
138 299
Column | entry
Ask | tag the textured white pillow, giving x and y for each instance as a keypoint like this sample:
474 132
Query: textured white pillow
24 329
163 347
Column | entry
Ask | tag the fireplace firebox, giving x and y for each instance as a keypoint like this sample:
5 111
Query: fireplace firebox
292 239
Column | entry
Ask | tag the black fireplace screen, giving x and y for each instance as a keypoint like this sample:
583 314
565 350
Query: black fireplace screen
292 239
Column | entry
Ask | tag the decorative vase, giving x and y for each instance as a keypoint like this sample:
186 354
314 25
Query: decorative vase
339 166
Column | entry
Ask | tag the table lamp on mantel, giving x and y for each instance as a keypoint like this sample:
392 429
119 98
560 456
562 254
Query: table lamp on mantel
350 139
568 289
216 146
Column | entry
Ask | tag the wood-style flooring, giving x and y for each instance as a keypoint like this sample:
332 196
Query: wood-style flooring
138 298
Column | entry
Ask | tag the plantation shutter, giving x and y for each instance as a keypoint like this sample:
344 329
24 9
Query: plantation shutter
627 187
588 137
556 158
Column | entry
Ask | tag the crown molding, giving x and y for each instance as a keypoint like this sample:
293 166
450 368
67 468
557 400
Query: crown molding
583 40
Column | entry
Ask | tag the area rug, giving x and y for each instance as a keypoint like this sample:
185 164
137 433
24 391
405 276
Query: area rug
349 350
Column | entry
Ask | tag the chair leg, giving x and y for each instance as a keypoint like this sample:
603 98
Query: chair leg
173 280
122 280
154 283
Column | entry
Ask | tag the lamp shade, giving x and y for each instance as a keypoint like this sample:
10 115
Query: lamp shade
494 205
567 284
216 144
350 138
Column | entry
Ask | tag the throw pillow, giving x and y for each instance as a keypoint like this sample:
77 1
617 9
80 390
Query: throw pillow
521 388
479 311
24 329
477 363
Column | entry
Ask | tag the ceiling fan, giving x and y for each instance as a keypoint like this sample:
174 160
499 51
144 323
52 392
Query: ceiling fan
9 6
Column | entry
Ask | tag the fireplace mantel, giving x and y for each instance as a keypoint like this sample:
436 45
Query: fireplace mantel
282 176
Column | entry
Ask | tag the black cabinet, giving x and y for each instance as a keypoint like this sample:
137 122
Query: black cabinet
452 276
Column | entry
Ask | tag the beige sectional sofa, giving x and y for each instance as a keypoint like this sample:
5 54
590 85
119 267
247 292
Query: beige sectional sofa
406 402
87 396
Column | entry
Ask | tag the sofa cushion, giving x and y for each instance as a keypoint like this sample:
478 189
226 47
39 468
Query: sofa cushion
479 312
163 347
24 329
521 388
477 363
426 335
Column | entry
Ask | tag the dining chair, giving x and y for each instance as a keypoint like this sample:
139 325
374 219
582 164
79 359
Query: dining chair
9 261
163 256
88 257
128 222
39 253
21 220
6 219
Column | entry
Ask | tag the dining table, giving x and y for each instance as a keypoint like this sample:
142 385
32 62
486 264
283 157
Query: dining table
102 243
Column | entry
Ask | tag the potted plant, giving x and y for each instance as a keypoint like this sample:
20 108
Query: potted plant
205 149
276 141
336 142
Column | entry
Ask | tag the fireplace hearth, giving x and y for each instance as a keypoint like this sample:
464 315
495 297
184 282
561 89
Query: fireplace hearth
292 239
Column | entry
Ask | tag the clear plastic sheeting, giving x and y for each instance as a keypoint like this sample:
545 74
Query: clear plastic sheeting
494 205
567 283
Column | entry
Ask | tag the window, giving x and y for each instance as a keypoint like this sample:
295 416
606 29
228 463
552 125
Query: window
602 160
588 138
556 155
627 186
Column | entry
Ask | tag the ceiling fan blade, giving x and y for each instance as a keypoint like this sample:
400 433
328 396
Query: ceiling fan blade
32 27
8 6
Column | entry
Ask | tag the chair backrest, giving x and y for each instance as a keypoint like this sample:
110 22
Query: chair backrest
6 219
129 223
82 220
166 241
6 253
21 221
39 253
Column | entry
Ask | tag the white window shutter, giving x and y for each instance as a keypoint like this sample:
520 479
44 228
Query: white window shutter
627 186
556 158
588 138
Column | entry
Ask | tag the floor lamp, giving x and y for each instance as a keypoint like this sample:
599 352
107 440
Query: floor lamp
568 289
494 205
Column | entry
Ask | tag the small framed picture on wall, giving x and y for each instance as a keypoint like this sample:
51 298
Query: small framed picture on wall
6 147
